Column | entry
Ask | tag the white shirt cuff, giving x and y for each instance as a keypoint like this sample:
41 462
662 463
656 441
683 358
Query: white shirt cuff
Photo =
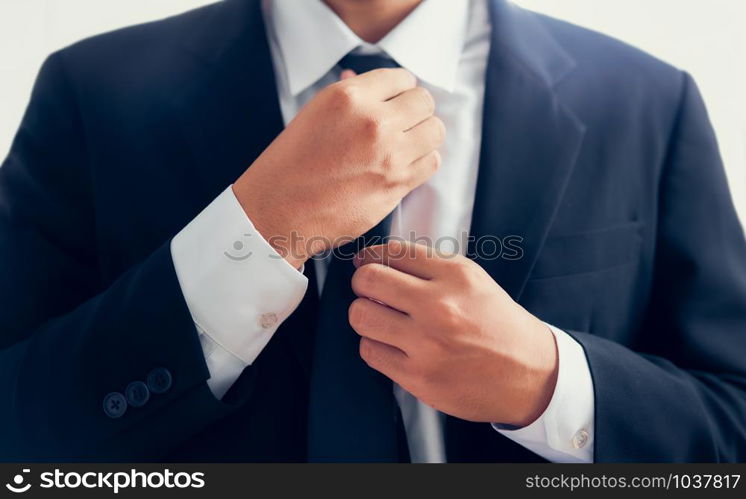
237 287
564 433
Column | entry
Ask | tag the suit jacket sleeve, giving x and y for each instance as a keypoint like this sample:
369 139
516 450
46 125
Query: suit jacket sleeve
66 340
682 395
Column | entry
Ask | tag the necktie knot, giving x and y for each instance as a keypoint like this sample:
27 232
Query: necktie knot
363 63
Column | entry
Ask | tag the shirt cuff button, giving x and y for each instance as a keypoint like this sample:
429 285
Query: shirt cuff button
268 320
580 439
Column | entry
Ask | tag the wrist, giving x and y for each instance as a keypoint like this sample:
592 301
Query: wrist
287 243
542 376
285 246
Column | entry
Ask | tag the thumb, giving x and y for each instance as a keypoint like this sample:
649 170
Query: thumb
347 74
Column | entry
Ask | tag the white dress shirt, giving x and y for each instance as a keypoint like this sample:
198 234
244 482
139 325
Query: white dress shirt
239 290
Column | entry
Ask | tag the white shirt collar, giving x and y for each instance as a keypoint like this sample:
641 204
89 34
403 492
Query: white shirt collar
312 39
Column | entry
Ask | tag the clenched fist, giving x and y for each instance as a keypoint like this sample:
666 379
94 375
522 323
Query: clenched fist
343 164
447 333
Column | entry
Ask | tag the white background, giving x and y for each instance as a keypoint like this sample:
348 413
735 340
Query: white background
707 38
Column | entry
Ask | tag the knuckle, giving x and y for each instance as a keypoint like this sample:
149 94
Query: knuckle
389 162
448 313
372 126
465 272
460 271
344 95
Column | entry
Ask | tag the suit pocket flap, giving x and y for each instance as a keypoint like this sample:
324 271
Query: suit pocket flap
588 251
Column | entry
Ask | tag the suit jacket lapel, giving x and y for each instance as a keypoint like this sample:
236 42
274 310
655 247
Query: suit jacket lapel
530 144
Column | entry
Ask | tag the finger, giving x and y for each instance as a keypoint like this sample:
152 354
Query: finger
388 286
412 107
416 260
423 138
421 170
378 322
388 360
385 84
347 74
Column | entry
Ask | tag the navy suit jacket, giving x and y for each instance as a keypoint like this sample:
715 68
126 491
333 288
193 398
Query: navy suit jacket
599 156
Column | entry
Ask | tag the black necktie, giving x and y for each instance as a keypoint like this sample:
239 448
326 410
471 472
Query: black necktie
353 416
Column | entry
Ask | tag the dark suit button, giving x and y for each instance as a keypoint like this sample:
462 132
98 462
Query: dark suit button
159 380
137 394
115 405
